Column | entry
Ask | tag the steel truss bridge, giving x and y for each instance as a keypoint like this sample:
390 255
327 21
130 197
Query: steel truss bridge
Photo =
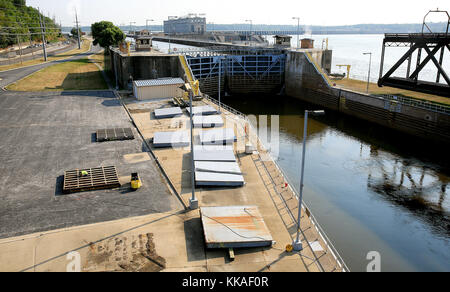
429 43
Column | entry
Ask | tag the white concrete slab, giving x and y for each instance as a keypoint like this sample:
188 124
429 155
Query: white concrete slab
203 110
218 136
166 113
171 139
208 121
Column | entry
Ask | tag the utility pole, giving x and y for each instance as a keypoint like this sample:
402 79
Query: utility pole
20 48
78 29
42 23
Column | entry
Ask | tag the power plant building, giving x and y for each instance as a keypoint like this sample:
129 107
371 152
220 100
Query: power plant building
191 24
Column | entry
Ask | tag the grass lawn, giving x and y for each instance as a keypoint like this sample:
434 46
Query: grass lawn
84 48
73 75
361 86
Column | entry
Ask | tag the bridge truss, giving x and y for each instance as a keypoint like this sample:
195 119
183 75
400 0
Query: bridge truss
429 43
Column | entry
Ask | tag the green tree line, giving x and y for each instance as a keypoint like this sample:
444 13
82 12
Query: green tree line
20 21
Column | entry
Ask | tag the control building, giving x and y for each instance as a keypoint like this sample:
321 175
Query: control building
191 24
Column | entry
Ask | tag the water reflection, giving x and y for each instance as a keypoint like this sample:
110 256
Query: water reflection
416 188
393 185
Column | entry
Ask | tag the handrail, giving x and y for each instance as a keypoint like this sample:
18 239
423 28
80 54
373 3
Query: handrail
319 229
442 109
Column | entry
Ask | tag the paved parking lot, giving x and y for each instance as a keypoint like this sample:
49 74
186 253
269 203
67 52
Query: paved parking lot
44 134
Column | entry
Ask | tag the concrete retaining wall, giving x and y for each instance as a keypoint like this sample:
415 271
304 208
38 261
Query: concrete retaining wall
303 81
144 67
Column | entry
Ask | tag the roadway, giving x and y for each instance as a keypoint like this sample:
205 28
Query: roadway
10 76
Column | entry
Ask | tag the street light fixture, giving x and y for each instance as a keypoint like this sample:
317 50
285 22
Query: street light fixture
370 65
298 30
251 29
131 25
146 23
193 202
297 244
220 81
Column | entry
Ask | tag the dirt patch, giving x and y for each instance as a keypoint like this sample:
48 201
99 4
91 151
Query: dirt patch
125 254
139 111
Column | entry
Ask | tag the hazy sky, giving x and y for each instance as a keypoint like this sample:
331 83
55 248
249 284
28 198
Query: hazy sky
324 12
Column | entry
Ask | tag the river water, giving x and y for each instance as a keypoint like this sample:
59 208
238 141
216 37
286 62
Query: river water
370 188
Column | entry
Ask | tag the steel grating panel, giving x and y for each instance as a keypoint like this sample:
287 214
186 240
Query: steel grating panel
203 110
219 174
117 134
234 227
171 139
97 178
218 136
166 113
208 121
202 153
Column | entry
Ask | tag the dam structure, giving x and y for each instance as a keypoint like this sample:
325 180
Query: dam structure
299 73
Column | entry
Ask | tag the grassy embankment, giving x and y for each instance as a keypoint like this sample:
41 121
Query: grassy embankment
361 86
84 48
80 74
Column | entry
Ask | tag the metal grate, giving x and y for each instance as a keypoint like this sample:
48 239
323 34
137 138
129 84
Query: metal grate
97 179
116 134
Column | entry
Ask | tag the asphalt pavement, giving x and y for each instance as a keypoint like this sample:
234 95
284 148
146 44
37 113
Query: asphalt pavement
11 76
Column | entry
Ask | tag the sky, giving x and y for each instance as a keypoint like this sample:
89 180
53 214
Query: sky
324 12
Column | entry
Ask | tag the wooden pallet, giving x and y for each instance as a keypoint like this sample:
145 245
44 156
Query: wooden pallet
117 134
97 179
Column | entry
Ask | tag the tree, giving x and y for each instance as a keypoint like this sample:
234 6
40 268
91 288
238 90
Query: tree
75 33
19 3
106 34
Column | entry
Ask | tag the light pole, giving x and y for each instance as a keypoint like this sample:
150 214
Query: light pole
146 23
220 81
297 244
298 30
131 25
251 29
193 202
370 65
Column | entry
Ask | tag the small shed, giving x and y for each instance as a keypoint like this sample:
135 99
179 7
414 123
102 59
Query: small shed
157 88
143 43
307 44
282 41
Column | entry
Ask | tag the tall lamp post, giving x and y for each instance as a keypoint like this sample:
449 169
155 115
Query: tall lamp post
297 244
298 30
146 23
193 202
370 65
251 29
220 81
131 26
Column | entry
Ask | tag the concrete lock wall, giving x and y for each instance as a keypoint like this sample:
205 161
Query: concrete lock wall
144 67
303 81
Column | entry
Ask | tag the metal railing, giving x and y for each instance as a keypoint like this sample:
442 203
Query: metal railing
313 219
221 50
438 108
